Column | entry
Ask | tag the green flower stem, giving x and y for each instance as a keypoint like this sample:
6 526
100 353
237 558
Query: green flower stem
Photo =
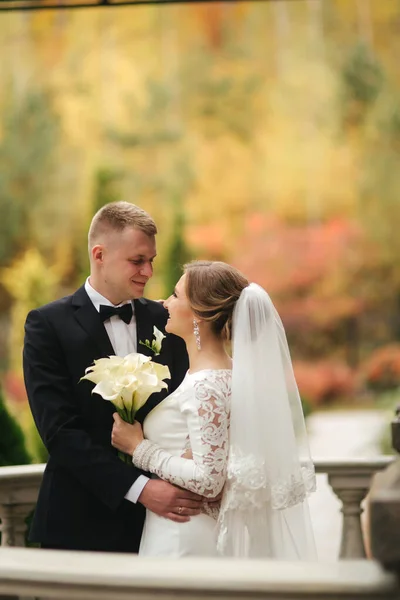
125 458
128 416
123 414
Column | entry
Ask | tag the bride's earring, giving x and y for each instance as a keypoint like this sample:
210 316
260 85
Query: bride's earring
197 334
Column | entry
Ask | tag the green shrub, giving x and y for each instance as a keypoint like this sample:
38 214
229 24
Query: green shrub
38 448
12 443
307 407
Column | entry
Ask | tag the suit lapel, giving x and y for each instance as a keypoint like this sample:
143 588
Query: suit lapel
89 319
144 326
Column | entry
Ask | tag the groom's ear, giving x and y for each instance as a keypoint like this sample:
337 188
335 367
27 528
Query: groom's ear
97 253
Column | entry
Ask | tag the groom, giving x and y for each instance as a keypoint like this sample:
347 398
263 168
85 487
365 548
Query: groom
89 499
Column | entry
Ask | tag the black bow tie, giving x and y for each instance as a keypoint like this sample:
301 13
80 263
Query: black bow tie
123 312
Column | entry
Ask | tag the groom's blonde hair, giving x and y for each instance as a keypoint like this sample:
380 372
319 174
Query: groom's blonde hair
212 289
117 216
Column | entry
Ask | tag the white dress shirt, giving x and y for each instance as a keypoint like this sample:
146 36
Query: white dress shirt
123 340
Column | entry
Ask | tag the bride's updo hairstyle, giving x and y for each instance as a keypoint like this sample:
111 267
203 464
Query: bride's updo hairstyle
213 288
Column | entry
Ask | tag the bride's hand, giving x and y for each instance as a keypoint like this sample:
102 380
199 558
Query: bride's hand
124 436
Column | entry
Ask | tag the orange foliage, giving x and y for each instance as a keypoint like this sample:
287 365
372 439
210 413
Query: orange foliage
382 369
216 17
14 387
305 268
322 381
209 240
212 18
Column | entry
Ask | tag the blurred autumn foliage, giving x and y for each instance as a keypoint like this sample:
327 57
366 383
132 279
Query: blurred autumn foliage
310 270
315 274
382 369
322 381
266 134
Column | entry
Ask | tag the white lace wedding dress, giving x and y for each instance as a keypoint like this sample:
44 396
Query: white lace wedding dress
193 421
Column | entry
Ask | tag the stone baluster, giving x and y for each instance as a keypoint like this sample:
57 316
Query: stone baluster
19 488
13 523
352 542
351 480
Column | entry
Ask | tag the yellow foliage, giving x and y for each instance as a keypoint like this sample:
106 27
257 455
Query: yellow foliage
101 62
31 283
100 65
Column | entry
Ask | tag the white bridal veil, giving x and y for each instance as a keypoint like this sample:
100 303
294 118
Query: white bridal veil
264 509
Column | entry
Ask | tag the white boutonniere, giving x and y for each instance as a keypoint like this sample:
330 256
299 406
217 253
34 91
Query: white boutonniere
156 343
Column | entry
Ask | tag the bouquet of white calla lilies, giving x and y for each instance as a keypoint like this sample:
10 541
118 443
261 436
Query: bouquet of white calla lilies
127 381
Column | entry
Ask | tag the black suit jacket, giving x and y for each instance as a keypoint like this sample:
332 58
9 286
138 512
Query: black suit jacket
81 501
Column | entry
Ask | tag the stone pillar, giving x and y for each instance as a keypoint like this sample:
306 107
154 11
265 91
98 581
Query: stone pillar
350 480
19 488
13 525
385 509
385 517
352 542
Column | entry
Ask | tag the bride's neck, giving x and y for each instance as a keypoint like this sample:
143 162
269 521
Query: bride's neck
212 354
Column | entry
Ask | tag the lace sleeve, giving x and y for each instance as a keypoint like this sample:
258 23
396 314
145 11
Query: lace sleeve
208 422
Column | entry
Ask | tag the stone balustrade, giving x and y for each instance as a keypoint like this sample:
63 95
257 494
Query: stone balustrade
349 479
49 575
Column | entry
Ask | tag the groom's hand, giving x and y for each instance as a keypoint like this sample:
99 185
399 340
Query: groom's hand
214 502
169 501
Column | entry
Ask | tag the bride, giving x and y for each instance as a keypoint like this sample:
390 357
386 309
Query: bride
234 427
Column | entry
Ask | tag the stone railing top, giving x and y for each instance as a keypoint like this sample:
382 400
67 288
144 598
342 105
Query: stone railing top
21 476
26 471
20 485
28 477
100 572
352 465
322 465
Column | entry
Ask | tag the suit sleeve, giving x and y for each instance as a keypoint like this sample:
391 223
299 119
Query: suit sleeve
58 417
